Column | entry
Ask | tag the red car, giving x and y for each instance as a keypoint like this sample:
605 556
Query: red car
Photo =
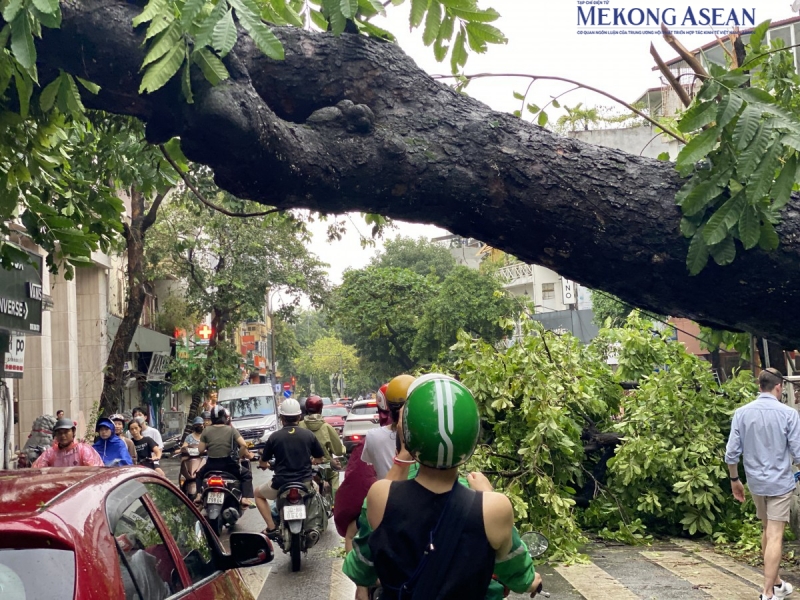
335 416
87 533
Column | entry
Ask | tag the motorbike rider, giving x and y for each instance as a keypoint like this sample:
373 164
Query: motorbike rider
380 445
440 424
193 439
294 450
206 418
119 429
219 441
328 439
140 416
109 446
66 451
148 453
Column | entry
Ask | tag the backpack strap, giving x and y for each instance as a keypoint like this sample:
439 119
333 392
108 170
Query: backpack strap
444 540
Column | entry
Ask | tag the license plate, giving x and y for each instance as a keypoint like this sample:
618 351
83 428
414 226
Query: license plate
216 498
291 513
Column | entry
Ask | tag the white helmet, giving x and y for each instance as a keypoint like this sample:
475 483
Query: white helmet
290 408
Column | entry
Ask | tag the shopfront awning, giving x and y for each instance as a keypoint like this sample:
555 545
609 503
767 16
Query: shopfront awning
144 340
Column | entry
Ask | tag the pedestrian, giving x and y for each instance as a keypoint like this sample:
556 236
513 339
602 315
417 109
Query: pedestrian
59 414
767 433
140 416
119 429
66 451
111 448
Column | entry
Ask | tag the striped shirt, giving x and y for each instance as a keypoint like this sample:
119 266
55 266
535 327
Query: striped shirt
767 432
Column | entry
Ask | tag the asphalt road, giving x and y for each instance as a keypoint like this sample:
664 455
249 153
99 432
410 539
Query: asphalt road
668 570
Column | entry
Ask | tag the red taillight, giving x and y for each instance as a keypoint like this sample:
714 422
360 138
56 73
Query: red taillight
294 495
355 438
216 481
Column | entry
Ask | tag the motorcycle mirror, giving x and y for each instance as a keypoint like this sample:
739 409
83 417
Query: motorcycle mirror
536 542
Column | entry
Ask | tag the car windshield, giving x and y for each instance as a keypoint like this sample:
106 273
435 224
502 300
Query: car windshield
327 401
334 411
37 573
254 406
365 409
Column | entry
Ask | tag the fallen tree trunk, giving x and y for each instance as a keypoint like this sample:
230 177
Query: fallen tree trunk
351 123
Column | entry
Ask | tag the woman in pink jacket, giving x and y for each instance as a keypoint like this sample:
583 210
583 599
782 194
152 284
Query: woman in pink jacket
66 452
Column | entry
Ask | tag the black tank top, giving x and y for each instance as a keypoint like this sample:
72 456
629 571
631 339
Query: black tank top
400 540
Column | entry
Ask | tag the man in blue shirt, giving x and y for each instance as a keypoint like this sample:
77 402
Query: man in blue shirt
767 432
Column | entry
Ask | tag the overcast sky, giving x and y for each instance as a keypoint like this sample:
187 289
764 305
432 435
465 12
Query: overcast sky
542 39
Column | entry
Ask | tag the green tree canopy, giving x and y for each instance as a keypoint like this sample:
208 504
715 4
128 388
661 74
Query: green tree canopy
326 357
419 255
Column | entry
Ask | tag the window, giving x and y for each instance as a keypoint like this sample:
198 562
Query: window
187 530
334 411
365 409
148 570
548 291
37 573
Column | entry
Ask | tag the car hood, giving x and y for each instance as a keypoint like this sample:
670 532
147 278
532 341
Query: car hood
262 421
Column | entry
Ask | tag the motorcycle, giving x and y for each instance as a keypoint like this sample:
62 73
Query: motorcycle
323 487
296 533
191 462
222 496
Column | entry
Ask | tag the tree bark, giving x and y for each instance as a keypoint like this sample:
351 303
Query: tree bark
349 123
113 376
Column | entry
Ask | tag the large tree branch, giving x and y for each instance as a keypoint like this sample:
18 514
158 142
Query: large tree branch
348 123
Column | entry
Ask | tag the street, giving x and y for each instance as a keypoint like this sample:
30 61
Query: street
672 570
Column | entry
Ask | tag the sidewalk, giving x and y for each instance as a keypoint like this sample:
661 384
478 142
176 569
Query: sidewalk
675 570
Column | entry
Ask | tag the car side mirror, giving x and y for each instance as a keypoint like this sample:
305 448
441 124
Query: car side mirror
251 549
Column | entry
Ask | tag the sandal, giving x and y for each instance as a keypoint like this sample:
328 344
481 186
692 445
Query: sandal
270 533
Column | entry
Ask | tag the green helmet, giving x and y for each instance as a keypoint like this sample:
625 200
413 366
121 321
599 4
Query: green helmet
440 423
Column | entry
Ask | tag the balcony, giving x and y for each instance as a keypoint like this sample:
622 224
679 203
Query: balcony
515 274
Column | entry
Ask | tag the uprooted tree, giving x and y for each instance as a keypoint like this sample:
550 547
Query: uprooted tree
351 123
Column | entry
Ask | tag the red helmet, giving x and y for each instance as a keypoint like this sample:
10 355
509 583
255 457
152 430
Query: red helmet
314 405
381 395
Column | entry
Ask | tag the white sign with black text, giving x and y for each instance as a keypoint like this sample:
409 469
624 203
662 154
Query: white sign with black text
569 291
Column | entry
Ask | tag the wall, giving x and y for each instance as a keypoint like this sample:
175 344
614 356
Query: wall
641 141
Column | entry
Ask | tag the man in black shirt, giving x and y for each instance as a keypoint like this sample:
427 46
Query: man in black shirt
294 449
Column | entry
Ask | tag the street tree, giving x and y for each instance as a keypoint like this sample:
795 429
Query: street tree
327 357
419 255
282 124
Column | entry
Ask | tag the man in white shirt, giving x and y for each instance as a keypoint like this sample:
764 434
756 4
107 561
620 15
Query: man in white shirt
380 445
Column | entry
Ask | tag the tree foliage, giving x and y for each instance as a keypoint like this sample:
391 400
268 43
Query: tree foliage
542 400
418 255
326 357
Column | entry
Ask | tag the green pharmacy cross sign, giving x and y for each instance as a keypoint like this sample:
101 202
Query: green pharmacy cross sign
21 297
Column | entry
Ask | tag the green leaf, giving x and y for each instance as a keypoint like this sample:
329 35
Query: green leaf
751 157
319 20
791 140
186 83
664 156
24 86
74 102
746 126
203 37
758 34
418 10
22 41
432 23
556 103
700 197
759 183
476 16
446 29
349 8
724 253
709 90
728 109
374 31
542 119
768 239
518 96
782 188
469 5
159 73
150 11
51 20
369 8
486 34
752 94
749 227
265 40
49 93
159 24
11 10
92 88
697 116
191 9
723 220
688 227
224 36
163 44
48 7
173 148
698 147
458 58
697 257
211 66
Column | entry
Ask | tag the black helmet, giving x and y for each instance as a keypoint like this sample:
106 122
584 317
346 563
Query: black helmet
219 415
198 421
63 424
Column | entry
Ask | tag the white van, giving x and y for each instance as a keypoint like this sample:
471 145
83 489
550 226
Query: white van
253 411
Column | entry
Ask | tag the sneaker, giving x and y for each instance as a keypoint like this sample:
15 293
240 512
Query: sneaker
763 597
783 590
